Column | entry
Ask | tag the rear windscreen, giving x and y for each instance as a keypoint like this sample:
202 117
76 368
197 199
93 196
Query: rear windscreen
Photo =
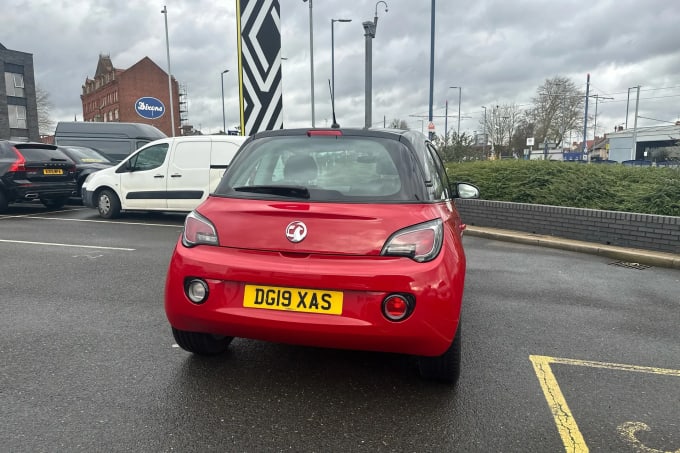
328 168
41 154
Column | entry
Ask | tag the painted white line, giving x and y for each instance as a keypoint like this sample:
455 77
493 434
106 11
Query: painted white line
29 216
69 245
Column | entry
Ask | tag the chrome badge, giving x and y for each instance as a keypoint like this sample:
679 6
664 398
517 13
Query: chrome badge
296 231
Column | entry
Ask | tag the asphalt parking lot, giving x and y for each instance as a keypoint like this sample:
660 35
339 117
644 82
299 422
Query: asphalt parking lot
562 351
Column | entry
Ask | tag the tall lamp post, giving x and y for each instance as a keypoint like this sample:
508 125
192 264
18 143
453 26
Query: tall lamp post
459 97
333 21
224 117
484 134
311 56
164 11
369 33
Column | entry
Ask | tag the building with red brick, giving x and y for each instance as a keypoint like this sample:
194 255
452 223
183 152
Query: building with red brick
138 94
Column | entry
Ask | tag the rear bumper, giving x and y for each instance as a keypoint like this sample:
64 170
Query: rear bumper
364 282
42 191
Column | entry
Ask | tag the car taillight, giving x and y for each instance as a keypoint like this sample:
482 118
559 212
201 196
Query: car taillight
198 230
19 164
420 242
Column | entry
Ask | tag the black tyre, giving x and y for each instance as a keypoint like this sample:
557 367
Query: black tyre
3 202
446 367
54 203
108 204
201 343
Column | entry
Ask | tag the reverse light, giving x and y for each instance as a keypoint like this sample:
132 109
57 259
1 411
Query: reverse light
420 242
196 290
198 230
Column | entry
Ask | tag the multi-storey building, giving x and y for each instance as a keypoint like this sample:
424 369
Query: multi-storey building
138 94
18 105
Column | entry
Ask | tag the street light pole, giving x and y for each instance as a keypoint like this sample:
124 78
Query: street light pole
369 34
485 139
224 117
459 97
333 21
164 11
311 56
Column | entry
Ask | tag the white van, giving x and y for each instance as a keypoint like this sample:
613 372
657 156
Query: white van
170 174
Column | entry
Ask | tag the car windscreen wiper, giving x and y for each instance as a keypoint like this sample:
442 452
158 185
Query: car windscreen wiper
282 191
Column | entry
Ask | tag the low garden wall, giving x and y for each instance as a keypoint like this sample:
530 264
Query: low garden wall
623 229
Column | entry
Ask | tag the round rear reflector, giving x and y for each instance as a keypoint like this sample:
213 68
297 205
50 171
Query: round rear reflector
397 307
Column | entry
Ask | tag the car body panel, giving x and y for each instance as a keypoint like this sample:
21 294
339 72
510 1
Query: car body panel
341 249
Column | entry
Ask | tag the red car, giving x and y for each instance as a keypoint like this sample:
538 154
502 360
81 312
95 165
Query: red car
338 238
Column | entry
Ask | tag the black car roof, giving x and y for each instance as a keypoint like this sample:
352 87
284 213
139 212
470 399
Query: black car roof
395 134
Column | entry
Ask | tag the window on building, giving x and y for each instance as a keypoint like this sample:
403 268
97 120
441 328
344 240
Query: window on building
17 116
15 84
115 114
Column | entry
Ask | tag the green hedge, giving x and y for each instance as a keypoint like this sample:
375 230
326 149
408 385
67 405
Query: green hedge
613 187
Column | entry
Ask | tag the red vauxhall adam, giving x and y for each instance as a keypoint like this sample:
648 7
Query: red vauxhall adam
341 238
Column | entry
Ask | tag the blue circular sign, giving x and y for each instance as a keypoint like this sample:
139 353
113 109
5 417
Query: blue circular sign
149 108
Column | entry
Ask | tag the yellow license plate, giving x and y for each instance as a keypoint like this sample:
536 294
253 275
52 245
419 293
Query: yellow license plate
293 299
53 171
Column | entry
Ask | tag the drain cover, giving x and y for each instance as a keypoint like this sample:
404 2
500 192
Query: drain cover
630 265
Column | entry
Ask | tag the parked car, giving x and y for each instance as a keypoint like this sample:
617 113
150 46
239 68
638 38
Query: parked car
35 171
87 161
340 238
171 174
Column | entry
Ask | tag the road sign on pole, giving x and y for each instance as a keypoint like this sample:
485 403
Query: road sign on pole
430 127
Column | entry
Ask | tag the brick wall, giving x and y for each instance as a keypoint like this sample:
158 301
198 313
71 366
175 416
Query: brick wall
625 229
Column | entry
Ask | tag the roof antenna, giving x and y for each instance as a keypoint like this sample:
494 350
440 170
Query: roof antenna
335 124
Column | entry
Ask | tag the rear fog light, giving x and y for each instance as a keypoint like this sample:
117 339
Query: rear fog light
397 307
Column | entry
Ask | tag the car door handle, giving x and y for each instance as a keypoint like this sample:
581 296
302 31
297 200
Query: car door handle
176 176
159 176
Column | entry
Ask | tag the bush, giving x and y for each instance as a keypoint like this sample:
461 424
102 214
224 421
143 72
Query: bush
645 190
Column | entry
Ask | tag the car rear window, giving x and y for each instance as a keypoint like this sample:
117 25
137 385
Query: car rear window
37 153
344 168
84 155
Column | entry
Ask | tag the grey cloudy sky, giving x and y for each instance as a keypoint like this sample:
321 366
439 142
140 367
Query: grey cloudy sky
498 51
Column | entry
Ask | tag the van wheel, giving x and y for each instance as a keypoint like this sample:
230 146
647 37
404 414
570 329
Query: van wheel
446 367
201 343
3 202
54 203
108 204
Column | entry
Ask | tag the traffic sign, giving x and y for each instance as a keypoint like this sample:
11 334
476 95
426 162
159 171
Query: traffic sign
430 127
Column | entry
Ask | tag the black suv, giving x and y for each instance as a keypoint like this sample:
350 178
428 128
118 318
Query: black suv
35 171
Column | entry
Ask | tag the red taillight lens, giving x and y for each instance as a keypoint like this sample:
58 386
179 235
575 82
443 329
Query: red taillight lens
420 242
327 133
19 164
198 230
397 307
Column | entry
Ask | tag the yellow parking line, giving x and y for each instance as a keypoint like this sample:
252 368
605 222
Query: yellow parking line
566 425
564 420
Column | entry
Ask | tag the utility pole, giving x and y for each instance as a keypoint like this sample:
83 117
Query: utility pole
164 11
633 152
585 119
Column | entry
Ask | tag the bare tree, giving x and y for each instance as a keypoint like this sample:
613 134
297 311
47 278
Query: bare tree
396 123
45 123
501 123
557 109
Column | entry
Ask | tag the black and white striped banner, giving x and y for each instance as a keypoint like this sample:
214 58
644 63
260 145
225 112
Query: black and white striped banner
259 48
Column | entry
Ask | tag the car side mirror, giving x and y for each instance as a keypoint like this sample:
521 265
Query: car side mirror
125 167
466 190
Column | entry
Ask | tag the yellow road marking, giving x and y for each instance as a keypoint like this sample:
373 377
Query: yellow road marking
566 424
564 420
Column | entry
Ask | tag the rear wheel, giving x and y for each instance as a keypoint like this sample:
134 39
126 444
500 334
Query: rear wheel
108 204
446 367
201 343
54 203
